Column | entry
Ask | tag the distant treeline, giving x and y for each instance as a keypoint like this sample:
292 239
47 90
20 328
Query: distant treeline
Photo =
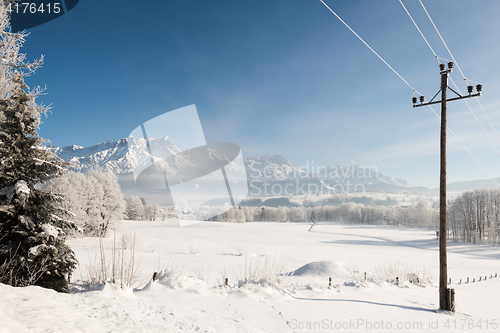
367 201
472 217
336 200
271 202
420 215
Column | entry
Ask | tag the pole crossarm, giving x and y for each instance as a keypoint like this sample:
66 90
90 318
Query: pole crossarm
448 100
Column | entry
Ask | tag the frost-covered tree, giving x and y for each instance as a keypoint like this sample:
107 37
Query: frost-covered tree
240 215
282 214
135 208
92 196
75 187
475 216
151 212
297 214
228 216
32 237
10 57
112 206
94 199
249 213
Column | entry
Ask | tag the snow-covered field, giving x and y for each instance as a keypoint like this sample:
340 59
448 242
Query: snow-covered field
190 295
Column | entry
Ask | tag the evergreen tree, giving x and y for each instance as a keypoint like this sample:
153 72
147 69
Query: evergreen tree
32 248
31 226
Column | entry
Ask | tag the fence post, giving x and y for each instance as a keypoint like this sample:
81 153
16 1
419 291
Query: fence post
226 282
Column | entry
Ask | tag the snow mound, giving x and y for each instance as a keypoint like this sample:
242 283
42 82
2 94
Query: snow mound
110 290
328 268
257 289
172 279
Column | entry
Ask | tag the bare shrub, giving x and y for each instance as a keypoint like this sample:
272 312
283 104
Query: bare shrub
117 265
258 269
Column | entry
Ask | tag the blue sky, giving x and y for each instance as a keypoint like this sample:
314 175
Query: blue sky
277 76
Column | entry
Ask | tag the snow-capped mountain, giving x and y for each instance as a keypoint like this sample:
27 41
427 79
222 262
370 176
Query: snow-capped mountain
112 155
275 169
270 166
264 173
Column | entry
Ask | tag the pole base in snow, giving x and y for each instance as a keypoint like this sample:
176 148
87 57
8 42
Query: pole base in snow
450 300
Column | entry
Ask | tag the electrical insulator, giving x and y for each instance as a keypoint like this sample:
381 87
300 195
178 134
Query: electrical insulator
441 67
469 89
414 100
422 99
450 65
479 87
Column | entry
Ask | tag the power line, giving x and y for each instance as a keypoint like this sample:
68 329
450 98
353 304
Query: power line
481 106
456 87
460 141
361 39
385 62
442 39
484 130
416 26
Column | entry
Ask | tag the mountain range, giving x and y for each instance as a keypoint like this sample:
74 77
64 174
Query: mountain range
269 175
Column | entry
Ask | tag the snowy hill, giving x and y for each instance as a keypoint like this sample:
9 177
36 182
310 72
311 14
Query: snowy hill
264 173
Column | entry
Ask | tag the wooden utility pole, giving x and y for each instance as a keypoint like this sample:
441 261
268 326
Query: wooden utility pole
446 296
443 230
